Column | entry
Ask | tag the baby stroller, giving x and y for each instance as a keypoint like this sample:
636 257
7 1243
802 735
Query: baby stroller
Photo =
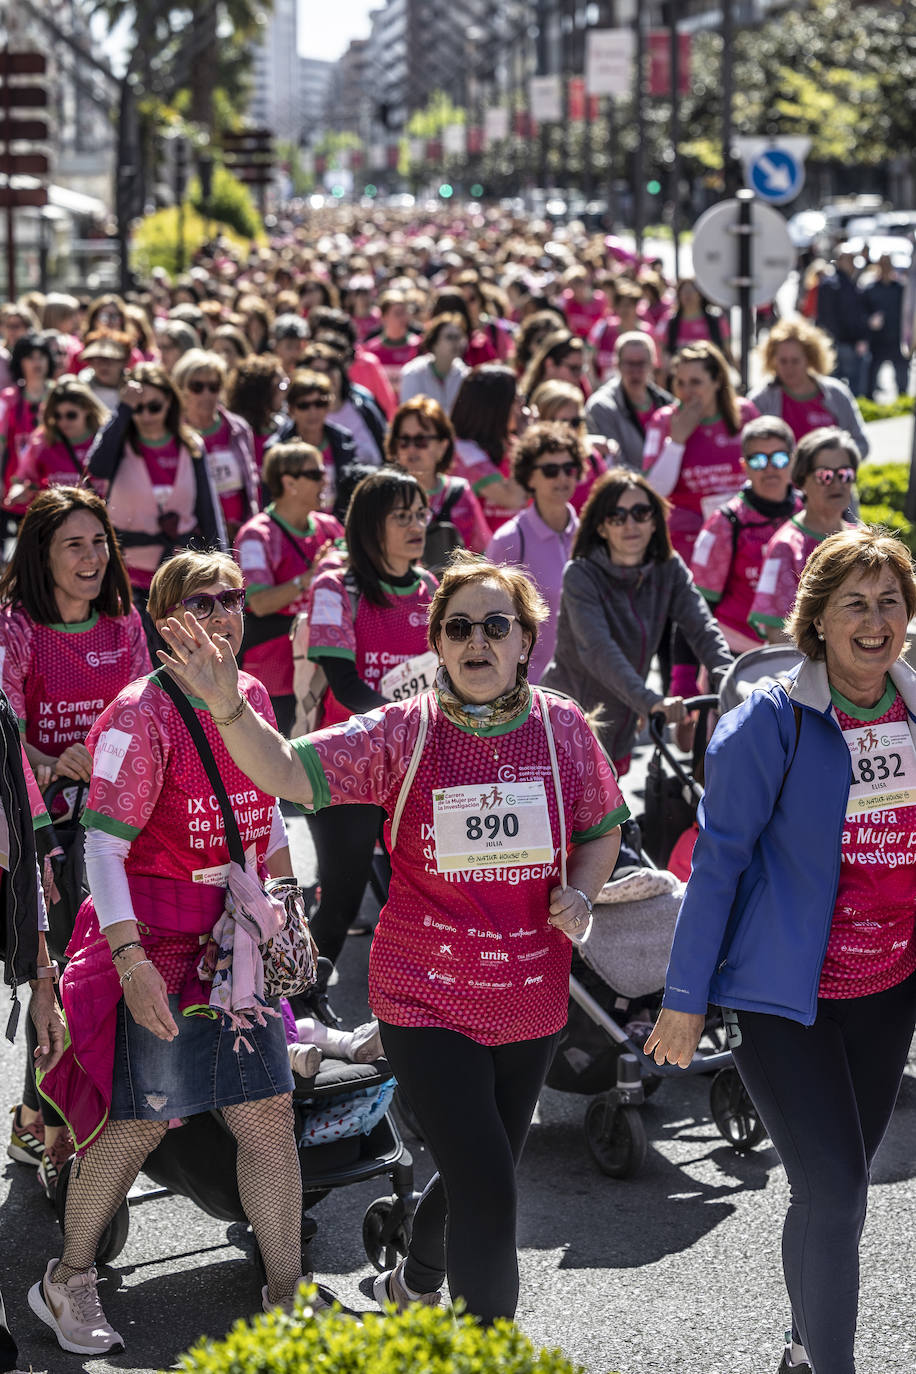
196 1159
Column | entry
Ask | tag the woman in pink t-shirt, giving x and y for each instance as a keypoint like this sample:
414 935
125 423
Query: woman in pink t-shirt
503 825
200 379
487 416
162 987
422 442
56 453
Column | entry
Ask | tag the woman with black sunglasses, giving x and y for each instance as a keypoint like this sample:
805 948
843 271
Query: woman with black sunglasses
547 463
308 401
200 379
152 469
278 551
504 825
620 590
824 470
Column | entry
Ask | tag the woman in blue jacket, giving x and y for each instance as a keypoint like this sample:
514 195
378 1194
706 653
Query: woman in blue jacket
799 916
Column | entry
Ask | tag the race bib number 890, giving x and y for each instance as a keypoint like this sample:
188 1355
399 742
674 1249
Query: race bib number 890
499 825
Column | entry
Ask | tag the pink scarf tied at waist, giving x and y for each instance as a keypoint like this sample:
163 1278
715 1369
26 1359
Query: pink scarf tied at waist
232 961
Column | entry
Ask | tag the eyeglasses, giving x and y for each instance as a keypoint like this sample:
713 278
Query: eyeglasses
418 441
70 414
641 512
310 405
313 474
552 470
404 518
574 421
202 604
149 408
197 388
825 477
495 626
758 461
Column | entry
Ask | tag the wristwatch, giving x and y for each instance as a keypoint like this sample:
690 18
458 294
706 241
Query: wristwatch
51 970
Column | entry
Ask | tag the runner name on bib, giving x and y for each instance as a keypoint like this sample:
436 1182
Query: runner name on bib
227 473
883 767
501 825
414 675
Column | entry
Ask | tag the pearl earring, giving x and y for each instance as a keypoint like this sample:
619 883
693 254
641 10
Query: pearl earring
819 635
522 659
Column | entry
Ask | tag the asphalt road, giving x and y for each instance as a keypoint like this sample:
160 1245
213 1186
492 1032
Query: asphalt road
675 1271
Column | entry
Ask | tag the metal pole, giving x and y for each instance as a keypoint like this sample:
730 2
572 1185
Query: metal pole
728 92
639 158
8 148
675 65
612 161
745 279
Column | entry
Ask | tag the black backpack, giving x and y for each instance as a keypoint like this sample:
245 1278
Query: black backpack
441 534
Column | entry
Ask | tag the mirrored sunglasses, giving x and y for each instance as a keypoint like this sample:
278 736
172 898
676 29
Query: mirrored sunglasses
495 626
827 476
758 461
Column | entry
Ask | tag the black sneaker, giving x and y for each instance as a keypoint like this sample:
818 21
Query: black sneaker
786 1368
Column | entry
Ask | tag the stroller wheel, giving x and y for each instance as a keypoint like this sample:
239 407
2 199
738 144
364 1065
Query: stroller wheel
734 1112
616 1138
384 1245
113 1238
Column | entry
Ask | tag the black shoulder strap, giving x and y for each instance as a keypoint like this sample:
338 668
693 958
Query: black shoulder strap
285 532
732 518
452 497
202 744
71 454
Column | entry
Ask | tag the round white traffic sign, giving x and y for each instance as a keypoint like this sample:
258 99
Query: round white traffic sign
716 248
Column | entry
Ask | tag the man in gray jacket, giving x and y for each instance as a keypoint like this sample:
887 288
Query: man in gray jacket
620 408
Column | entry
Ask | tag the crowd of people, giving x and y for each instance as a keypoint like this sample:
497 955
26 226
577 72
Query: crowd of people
443 494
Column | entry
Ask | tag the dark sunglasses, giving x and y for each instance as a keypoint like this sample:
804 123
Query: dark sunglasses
197 388
825 477
70 414
551 470
758 461
311 405
419 441
202 604
495 626
642 513
149 408
313 474
574 421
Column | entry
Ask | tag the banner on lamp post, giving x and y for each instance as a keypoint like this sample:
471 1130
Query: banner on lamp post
454 140
660 63
576 99
609 61
545 97
495 124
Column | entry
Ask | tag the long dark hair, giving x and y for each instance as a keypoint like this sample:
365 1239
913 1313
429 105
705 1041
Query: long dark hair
27 580
376 496
155 375
602 500
483 408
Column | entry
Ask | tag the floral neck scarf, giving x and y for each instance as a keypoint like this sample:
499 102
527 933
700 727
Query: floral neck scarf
481 717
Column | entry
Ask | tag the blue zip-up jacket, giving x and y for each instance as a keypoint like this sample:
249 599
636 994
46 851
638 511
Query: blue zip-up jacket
755 920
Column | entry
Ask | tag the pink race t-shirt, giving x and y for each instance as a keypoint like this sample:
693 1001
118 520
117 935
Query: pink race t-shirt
226 471
727 558
392 356
476 467
595 467
710 472
466 514
469 948
52 465
59 677
378 640
149 786
803 415
784 561
270 552
581 316
871 945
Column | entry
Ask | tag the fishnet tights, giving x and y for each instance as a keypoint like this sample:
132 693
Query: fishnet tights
267 1169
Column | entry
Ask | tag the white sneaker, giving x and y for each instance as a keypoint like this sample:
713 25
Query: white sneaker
390 1287
304 1060
74 1313
366 1044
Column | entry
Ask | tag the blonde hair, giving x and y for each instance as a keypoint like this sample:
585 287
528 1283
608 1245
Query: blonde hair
188 572
197 360
868 549
814 343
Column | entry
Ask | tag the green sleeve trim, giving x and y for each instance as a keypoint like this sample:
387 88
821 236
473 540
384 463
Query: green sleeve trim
257 587
610 822
709 595
22 726
757 619
487 481
320 652
94 820
311 762
39 822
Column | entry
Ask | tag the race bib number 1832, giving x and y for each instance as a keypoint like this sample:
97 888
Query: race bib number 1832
883 767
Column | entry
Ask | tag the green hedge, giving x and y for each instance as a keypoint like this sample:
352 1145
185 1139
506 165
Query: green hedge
871 410
423 1340
882 493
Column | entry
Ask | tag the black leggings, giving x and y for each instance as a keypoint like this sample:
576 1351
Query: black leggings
344 839
826 1094
474 1105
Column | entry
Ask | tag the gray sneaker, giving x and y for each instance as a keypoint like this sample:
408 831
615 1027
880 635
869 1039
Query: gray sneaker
74 1313
390 1287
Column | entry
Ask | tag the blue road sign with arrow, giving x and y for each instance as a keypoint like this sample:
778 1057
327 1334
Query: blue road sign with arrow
775 175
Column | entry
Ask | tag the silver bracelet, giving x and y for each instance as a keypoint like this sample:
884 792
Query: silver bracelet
129 972
586 899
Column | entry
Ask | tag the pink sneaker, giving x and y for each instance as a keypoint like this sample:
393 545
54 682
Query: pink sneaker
74 1313
390 1287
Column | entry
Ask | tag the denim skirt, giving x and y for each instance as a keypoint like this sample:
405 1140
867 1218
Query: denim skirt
156 1080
